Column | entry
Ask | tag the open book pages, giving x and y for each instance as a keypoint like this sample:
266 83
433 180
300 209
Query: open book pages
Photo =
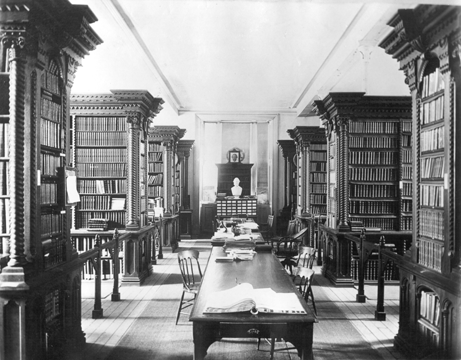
237 254
243 297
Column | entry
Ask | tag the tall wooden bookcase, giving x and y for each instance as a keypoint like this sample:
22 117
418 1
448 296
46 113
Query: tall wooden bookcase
109 132
164 176
42 44
363 177
427 43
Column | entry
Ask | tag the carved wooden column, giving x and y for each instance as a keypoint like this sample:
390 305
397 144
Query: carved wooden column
343 172
184 149
133 181
288 149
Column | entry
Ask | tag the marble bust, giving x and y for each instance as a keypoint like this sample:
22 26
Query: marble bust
236 189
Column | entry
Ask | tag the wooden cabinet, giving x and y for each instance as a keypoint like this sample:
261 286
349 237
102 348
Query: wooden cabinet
426 42
42 46
288 151
109 132
228 172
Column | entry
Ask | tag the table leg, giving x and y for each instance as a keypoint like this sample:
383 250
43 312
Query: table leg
302 336
204 335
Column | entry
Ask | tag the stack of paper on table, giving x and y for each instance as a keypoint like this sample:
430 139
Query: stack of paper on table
244 297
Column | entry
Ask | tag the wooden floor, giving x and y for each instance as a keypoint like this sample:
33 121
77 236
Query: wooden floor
103 335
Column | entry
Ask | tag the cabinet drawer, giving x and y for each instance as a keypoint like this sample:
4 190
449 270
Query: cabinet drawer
252 330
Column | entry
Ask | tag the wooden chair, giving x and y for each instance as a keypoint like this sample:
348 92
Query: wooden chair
287 247
306 257
191 274
303 281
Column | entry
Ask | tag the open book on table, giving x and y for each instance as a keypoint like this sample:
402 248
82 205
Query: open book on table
243 297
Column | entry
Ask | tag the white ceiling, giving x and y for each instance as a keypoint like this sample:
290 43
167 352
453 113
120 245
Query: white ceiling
239 56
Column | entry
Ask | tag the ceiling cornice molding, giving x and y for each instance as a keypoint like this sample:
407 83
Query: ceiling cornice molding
133 37
238 112
236 118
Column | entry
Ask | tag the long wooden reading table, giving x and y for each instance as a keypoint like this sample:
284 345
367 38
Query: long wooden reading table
264 271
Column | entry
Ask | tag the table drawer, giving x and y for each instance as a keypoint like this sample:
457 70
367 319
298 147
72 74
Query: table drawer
252 330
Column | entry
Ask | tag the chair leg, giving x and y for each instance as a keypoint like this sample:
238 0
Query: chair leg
180 308
272 347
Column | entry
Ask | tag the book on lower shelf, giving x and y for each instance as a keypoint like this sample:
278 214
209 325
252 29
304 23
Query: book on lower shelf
243 297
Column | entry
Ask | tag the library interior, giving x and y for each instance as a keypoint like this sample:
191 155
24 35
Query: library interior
230 179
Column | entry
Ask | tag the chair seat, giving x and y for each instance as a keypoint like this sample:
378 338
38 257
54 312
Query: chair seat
193 288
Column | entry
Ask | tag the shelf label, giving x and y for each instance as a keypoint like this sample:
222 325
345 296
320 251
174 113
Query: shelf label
39 179
445 181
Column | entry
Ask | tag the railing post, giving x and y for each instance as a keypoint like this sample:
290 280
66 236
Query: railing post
115 292
360 297
380 313
97 312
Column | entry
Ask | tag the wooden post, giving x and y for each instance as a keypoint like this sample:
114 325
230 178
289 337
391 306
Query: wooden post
360 297
380 313
115 292
97 311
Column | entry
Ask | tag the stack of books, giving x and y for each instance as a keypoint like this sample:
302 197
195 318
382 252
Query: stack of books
98 224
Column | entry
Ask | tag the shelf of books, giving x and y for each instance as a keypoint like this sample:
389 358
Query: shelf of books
318 178
101 159
430 303
53 218
406 176
155 174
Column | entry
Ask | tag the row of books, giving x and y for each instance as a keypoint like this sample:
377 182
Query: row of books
109 155
155 147
372 207
318 166
372 190
318 177
376 224
51 224
103 202
318 199
407 189
116 219
318 156
116 186
51 110
430 254
319 188
50 82
373 157
373 142
155 179
155 167
50 133
373 174
406 126
4 148
318 209
103 169
155 156
318 147
4 177
374 127
431 195
406 156
432 110
431 224
432 83
429 308
155 191
48 193
433 139
83 243
406 223
50 162
4 216
431 339
371 270
54 251
407 172
100 124
407 205
52 305
406 141
89 138
432 167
